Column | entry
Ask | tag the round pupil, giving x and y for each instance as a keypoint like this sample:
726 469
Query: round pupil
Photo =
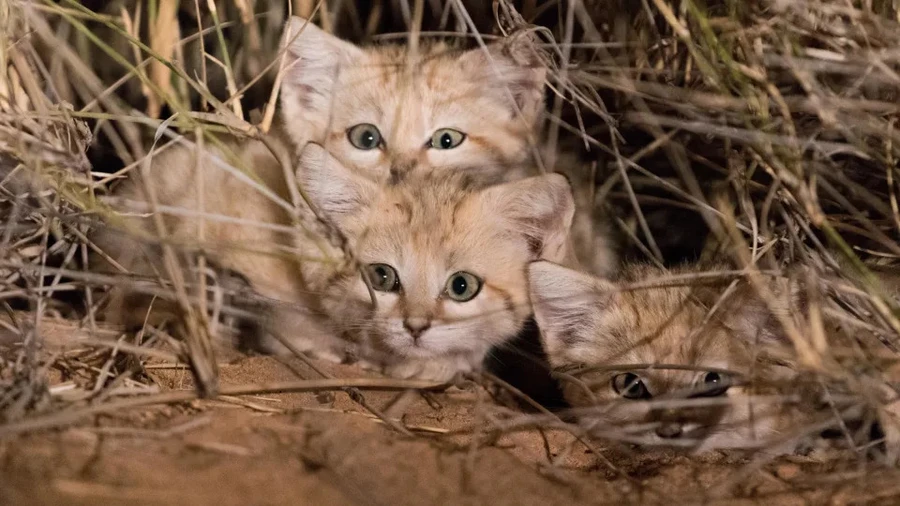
713 378
460 285
632 385
368 140
446 141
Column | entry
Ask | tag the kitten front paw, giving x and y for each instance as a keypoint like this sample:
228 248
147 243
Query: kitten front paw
270 345
443 371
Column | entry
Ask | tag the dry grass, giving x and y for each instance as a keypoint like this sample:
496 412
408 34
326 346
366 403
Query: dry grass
772 125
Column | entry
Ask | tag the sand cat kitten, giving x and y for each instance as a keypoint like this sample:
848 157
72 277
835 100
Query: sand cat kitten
627 338
382 108
446 256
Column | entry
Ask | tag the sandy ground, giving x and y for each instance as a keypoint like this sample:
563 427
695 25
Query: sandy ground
324 448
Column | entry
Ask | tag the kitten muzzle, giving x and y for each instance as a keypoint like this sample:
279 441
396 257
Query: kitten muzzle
669 430
416 327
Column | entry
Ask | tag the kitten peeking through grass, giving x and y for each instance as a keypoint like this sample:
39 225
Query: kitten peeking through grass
652 366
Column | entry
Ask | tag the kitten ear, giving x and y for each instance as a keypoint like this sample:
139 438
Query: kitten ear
313 60
566 305
333 189
541 208
513 67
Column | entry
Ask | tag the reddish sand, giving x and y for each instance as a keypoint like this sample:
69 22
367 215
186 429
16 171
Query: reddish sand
326 449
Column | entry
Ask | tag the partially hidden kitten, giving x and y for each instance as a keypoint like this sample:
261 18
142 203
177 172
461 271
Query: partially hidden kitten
445 256
656 370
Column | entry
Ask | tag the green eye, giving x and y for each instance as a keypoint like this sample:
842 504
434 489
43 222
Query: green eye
463 287
383 277
364 136
446 138
630 386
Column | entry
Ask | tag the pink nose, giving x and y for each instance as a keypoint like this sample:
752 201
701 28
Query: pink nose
417 326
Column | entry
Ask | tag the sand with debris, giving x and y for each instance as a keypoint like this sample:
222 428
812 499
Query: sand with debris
326 448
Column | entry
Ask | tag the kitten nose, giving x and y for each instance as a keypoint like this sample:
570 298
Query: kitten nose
416 326
401 166
669 430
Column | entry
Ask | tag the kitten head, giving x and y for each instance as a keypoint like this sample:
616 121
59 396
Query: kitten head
620 346
381 108
446 258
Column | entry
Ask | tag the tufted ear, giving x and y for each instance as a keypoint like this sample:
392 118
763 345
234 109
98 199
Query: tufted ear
541 208
511 67
568 306
314 60
336 191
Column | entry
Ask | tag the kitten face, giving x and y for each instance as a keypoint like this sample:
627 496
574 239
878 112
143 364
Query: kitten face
626 340
446 257
376 114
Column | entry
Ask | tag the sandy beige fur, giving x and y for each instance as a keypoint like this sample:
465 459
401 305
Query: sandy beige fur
590 322
494 98
427 226
256 248
493 95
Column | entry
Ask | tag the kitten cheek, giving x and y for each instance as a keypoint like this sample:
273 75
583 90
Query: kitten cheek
371 163
476 320
363 158
470 156
445 159
740 431
501 144
395 336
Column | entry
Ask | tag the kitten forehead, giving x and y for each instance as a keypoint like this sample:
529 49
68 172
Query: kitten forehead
659 325
443 213
429 215
663 325
411 99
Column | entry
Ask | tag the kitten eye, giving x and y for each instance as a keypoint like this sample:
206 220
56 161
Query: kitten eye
364 136
714 385
463 287
383 277
630 386
446 138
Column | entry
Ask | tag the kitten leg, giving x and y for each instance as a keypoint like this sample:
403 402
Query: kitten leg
269 344
441 369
